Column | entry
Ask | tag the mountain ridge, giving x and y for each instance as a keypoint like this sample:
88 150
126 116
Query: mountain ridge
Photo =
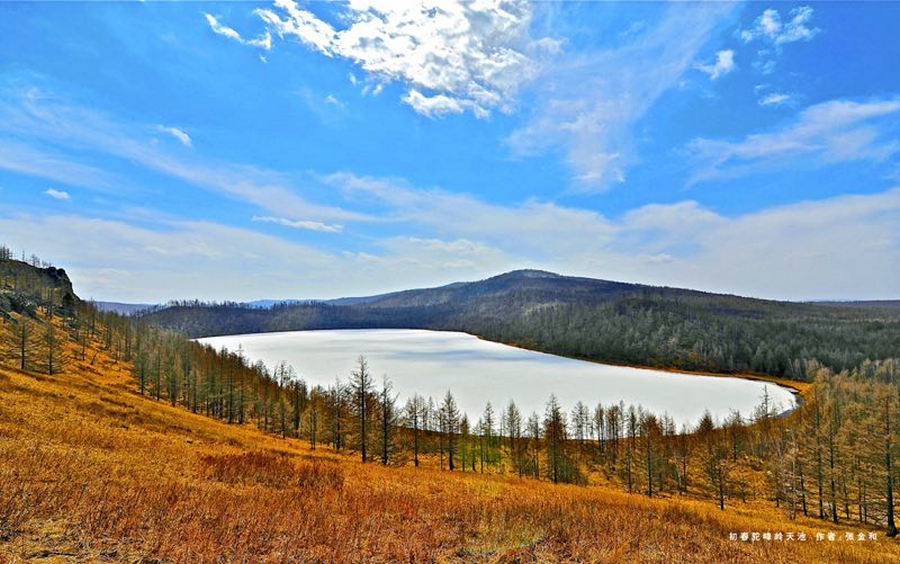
517 274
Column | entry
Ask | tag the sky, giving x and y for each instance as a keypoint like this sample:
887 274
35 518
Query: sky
248 150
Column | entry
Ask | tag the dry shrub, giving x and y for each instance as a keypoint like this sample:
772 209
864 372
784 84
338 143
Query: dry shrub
273 471
250 468
320 474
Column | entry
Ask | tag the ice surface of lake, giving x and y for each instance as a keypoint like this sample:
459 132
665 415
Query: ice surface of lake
478 371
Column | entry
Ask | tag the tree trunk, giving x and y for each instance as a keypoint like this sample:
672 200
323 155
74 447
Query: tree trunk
891 527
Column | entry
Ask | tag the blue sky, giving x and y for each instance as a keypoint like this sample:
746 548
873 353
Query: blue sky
249 150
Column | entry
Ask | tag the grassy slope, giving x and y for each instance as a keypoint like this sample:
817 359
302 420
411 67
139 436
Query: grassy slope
90 470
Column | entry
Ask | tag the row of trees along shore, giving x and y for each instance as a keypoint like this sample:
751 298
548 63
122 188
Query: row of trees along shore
832 458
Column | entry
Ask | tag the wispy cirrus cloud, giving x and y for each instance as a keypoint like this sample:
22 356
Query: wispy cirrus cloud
300 224
535 229
177 133
828 132
45 162
776 99
36 118
588 105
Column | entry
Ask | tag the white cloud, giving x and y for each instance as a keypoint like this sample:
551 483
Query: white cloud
775 99
773 33
301 224
808 250
723 65
179 134
438 105
57 194
221 29
589 106
769 27
475 57
264 41
451 56
829 132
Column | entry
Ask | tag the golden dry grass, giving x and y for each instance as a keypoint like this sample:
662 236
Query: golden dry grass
89 470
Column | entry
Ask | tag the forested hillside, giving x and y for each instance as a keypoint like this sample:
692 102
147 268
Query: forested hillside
591 319
121 440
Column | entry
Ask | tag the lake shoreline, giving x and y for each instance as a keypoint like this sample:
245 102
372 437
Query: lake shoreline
798 389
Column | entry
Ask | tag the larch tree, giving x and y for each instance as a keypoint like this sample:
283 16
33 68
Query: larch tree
54 349
387 406
414 414
465 441
554 439
714 458
361 386
581 424
26 341
599 425
888 466
450 417
650 434
533 430
486 430
514 435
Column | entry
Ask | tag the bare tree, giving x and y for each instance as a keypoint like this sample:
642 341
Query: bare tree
450 417
387 406
361 386
554 438
415 412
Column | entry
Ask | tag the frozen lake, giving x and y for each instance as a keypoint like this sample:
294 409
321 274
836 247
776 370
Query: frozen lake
478 371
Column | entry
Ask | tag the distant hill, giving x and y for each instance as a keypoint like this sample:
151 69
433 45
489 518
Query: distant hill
592 319
269 302
875 304
127 308
121 308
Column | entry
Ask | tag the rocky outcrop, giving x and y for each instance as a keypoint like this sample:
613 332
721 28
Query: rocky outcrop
24 287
